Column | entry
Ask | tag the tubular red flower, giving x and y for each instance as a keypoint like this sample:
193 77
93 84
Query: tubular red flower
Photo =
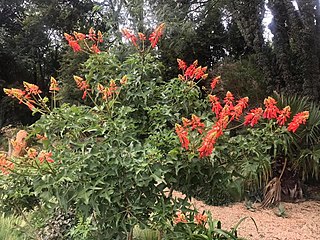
183 136
5 165
216 105
30 105
228 100
31 88
92 34
200 219
45 156
269 101
73 43
238 109
214 82
199 72
124 80
32 153
95 49
284 115
41 137
113 86
100 88
180 218
53 85
189 73
181 64
156 34
226 111
82 85
15 93
209 140
271 110
75 46
186 122
253 117
100 37
298 119
79 36
130 36
68 37
197 124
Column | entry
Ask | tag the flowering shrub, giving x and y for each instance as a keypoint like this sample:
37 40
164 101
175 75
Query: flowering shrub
78 39
242 161
104 159
112 159
224 115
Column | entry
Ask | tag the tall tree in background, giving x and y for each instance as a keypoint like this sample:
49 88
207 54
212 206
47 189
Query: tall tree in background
30 31
249 15
200 30
296 45
29 48
212 31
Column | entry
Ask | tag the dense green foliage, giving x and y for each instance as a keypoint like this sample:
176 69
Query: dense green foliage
115 156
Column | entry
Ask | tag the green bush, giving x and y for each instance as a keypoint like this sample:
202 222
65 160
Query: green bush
112 160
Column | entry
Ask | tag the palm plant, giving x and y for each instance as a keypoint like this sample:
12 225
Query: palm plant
301 152
304 145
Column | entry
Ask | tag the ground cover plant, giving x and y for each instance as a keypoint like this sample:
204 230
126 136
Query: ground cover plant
111 163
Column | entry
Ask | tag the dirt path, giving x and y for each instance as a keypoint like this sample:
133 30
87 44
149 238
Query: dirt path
302 221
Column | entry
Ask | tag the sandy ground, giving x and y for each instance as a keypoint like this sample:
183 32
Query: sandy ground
302 221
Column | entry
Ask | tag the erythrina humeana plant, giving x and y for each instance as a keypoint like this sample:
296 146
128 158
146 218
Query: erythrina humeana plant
227 111
112 159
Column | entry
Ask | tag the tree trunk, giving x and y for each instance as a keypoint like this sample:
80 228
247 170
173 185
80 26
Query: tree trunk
282 51
248 16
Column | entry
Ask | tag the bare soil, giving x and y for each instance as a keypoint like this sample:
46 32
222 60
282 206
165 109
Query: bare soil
302 221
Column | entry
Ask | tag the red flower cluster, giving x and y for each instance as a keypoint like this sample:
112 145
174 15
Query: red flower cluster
20 150
216 105
299 118
45 156
271 111
5 165
195 123
82 85
24 96
200 219
182 133
193 72
42 156
238 109
188 125
110 91
253 117
284 115
153 38
180 218
224 115
210 139
229 109
214 82
53 85
31 97
130 36
75 40
156 34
